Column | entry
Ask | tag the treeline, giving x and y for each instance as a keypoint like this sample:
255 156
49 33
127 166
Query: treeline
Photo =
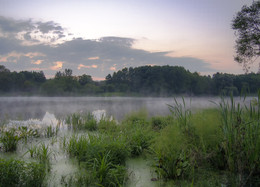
144 80
169 80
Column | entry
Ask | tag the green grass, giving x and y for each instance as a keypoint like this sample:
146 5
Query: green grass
21 173
105 156
82 121
9 139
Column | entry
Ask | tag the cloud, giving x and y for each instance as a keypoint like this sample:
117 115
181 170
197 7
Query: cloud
46 27
84 66
30 32
93 58
58 66
38 62
112 68
29 50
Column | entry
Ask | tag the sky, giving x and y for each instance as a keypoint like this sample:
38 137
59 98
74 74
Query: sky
98 37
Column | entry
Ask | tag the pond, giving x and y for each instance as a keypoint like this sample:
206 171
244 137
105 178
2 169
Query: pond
42 108
41 112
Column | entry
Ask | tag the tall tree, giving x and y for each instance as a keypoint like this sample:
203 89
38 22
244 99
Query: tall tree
246 24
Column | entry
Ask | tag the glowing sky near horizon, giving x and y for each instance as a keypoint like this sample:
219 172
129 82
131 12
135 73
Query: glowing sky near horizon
191 30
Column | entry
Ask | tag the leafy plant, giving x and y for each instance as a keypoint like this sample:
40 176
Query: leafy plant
21 173
51 131
9 139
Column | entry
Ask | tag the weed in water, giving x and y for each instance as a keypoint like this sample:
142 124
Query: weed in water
9 139
21 173
51 131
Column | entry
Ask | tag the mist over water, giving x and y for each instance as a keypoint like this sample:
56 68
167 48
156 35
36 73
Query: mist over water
26 108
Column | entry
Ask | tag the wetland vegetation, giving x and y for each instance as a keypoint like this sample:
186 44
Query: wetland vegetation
216 146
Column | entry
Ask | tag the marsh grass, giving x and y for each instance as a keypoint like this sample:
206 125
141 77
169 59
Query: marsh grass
109 126
42 153
170 154
104 155
160 122
51 131
78 121
9 139
241 138
21 173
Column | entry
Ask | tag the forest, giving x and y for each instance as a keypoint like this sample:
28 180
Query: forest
138 81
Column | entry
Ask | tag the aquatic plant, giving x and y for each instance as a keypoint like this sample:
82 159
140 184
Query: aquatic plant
82 121
109 126
25 133
32 150
182 114
9 139
43 154
104 155
106 172
21 173
171 154
51 131
241 138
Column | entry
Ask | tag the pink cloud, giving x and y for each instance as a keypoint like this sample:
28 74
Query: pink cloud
14 56
84 66
58 65
112 68
93 58
37 62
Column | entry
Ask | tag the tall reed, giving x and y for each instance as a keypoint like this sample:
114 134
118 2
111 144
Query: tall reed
241 138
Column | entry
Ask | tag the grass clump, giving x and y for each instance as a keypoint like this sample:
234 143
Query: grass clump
82 121
170 153
9 139
21 173
42 154
138 132
102 155
51 131
160 122
240 127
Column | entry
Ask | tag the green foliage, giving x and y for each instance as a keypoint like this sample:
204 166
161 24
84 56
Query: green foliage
82 121
9 140
108 126
10 137
43 154
25 133
103 155
246 25
160 122
241 142
137 132
139 81
51 131
21 173
171 154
